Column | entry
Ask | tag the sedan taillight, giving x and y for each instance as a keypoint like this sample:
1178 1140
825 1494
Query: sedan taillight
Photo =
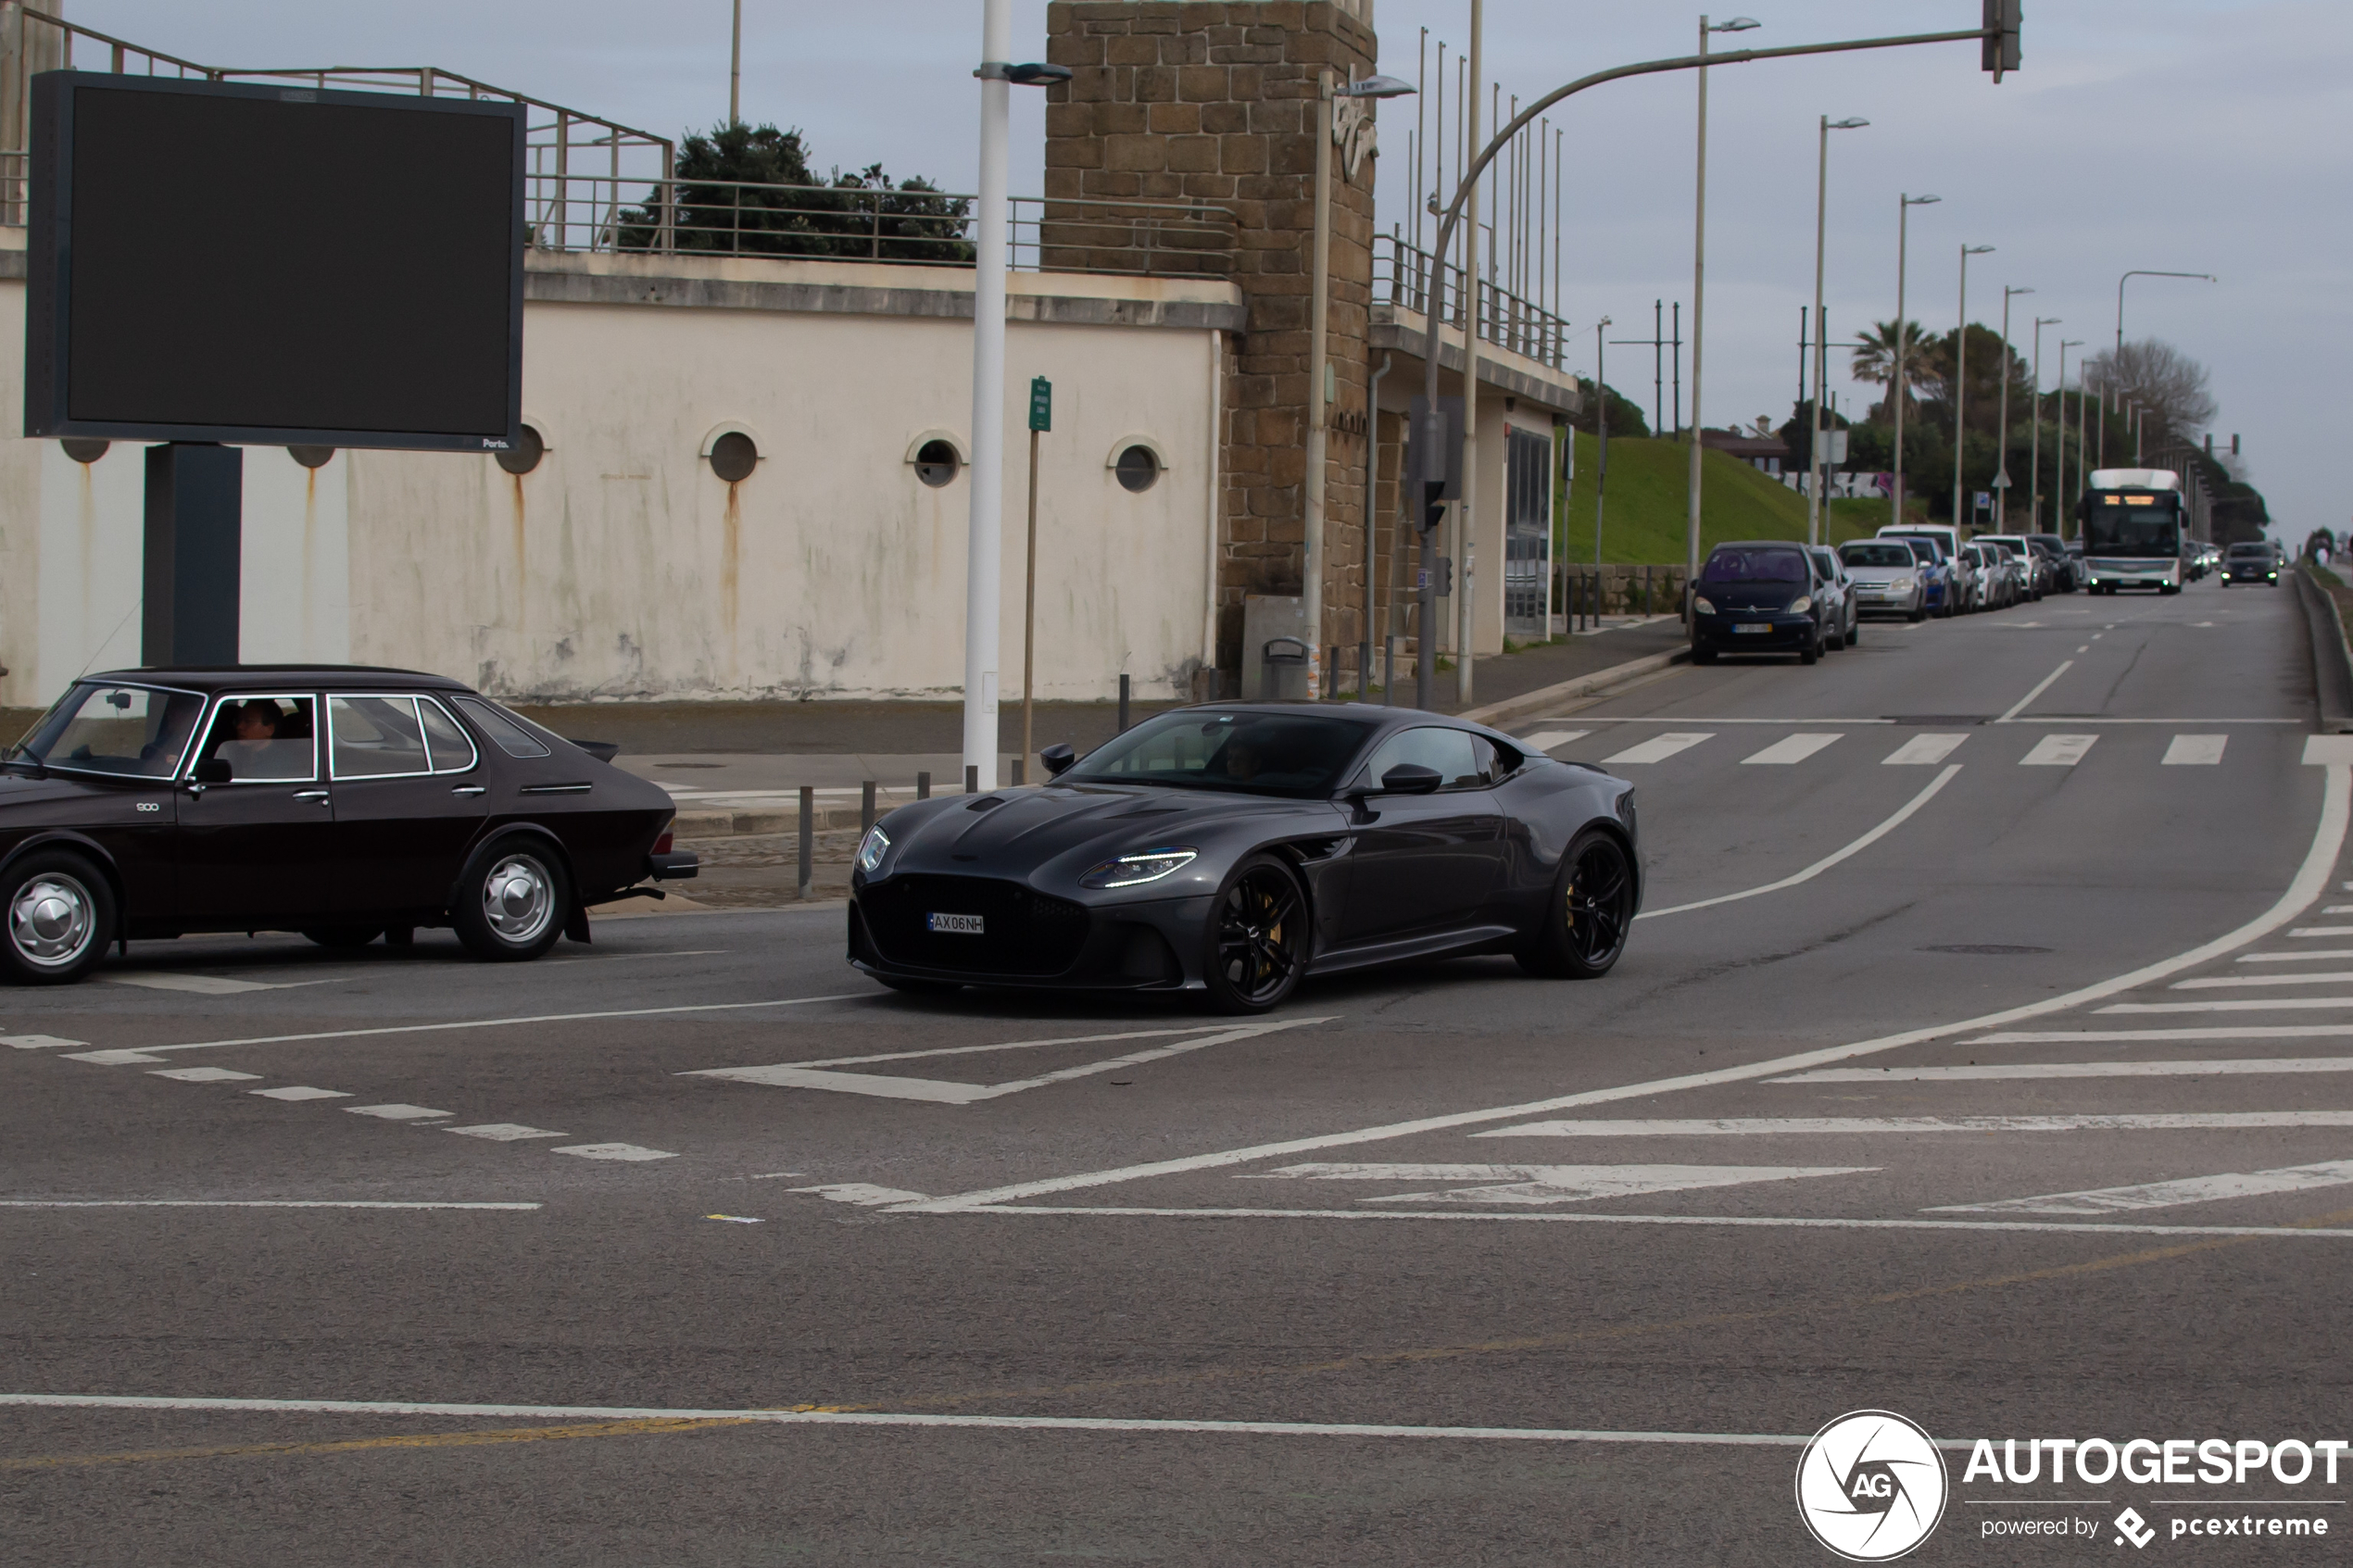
661 844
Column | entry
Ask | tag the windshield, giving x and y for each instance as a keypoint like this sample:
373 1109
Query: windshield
1875 555
135 731
1746 563
2132 525
2252 552
1286 753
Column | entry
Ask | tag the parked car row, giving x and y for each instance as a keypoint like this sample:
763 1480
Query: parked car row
1771 596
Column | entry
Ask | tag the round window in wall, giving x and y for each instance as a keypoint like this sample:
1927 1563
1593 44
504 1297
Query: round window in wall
935 463
1138 469
83 448
312 457
524 455
734 455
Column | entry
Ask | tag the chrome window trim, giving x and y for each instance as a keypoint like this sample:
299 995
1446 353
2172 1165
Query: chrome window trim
213 716
409 697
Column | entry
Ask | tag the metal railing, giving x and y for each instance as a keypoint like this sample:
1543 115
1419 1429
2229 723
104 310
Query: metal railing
1401 275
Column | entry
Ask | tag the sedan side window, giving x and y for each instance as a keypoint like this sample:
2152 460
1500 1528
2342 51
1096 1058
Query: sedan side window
264 740
1454 754
444 739
376 738
510 737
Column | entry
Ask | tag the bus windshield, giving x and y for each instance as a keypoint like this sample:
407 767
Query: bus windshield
2132 525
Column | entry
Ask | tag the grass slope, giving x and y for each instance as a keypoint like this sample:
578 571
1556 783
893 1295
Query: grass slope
1649 501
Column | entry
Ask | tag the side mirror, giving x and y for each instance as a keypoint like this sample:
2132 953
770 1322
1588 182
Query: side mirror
214 771
1411 778
1057 759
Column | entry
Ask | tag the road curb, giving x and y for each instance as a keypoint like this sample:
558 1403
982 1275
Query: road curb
2331 662
1527 703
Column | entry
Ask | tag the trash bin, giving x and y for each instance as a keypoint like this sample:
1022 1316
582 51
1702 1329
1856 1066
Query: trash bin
1283 670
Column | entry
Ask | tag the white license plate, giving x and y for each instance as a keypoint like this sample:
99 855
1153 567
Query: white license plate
1738 630
961 925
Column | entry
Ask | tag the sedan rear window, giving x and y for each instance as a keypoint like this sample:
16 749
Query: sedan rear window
135 731
1287 754
1868 554
1745 563
504 730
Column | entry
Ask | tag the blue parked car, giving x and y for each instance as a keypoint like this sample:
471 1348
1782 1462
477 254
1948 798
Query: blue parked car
1936 572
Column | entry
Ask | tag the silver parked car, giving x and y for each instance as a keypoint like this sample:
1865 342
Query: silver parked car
2033 571
1844 621
1883 578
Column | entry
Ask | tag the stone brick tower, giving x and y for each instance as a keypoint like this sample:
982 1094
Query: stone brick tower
1215 101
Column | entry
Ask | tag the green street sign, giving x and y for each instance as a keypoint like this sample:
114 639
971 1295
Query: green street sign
1041 403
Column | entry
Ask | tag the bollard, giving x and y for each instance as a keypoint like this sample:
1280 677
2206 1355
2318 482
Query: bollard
1123 704
1389 672
1021 770
1331 674
923 786
808 836
971 778
865 810
1365 670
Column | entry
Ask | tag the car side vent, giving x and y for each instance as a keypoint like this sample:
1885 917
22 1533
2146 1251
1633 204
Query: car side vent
985 802
1318 848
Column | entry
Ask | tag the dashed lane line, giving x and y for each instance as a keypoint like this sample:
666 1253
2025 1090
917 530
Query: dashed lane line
251 1203
2022 704
1835 1126
1978 1074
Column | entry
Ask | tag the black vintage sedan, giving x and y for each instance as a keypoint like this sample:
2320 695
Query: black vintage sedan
1234 850
344 803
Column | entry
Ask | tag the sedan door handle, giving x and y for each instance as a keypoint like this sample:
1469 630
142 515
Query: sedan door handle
467 789
317 795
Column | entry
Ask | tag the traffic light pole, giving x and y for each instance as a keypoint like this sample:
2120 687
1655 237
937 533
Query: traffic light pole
1998 36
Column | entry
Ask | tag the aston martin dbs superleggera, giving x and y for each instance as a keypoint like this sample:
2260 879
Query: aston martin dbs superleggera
1235 850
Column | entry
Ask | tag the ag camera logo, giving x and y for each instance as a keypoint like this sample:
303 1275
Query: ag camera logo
1871 1486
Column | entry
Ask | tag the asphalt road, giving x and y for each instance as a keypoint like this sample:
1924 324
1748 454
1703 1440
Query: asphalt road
1979 1058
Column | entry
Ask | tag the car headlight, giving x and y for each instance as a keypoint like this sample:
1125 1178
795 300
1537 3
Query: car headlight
1700 604
1901 585
872 848
1802 604
1129 871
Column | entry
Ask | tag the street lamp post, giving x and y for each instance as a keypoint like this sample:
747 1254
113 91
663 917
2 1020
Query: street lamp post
1601 468
1320 377
2144 272
2058 504
1699 291
1960 379
1900 368
1814 516
2002 426
2035 439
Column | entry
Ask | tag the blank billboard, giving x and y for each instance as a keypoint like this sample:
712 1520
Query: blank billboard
272 265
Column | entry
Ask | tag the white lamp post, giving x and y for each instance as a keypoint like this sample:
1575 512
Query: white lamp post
2035 439
1699 283
1899 369
1960 380
1814 524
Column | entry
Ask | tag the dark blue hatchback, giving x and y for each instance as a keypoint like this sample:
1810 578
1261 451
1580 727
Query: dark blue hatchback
1759 596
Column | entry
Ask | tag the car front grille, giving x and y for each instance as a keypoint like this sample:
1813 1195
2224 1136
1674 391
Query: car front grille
1023 931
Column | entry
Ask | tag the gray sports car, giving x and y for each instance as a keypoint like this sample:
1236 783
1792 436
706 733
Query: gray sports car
1234 850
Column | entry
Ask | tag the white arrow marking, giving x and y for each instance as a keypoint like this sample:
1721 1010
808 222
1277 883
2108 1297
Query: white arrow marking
2164 1195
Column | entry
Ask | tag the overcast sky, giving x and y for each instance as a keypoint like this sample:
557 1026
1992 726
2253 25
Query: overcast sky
2195 135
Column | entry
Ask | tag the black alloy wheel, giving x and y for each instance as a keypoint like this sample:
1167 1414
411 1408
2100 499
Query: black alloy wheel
512 899
1592 910
1258 936
56 916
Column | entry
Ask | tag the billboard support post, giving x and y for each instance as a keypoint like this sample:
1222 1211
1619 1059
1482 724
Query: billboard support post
195 502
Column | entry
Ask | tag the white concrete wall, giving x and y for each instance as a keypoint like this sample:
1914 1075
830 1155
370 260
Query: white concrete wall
622 568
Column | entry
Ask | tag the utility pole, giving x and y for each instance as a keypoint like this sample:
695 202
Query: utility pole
2034 440
1960 381
1814 515
1899 372
736 70
985 537
2002 426
2059 504
1466 510
1601 468
1699 297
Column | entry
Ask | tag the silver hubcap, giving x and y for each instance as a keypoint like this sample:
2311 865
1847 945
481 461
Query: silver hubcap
50 922
519 899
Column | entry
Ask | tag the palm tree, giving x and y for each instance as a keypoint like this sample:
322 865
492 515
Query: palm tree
1876 355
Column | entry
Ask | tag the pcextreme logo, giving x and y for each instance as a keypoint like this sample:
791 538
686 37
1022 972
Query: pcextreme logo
1870 1486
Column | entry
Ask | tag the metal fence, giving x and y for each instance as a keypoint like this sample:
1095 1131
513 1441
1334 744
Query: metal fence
1401 275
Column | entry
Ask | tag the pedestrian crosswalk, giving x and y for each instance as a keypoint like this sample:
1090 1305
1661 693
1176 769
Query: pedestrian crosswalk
1927 750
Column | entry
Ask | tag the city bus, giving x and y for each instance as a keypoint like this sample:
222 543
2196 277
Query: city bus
2134 527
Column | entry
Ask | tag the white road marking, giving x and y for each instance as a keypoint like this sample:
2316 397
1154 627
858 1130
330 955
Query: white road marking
2308 931
1790 749
1923 751
2305 957
2329 751
38 1042
797 1075
2234 982
1018 1045
299 1091
2058 751
890 1417
1546 740
2195 752
244 1203
2165 1195
736 1218
201 984
1551 1183
1975 1073
1587 1217
2311 878
203 1074
862 1193
633 958
2041 687
398 1112
502 1132
2248 1031
113 1057
614 1152
1827 861
1777 1127
2336 909
2235 1004
1658 749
